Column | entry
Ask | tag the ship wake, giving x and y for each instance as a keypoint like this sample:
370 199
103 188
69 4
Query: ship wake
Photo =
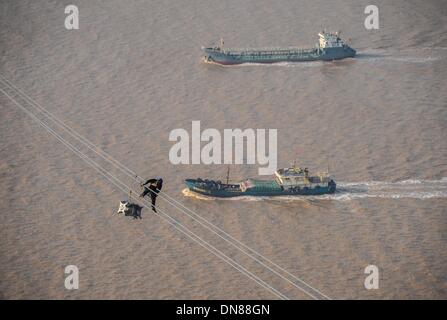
298 64
416 189
423 55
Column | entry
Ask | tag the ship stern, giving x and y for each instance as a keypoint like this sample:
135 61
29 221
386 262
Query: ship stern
351 52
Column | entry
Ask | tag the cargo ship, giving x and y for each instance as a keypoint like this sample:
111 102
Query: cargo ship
330 47
286 182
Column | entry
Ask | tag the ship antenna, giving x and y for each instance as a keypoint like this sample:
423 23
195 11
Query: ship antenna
228 174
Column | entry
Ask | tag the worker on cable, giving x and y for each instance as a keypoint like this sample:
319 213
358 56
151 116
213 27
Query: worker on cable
154 188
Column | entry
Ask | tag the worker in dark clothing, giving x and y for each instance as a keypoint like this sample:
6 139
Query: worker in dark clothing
154 188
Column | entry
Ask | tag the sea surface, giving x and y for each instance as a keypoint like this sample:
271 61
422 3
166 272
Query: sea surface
133 72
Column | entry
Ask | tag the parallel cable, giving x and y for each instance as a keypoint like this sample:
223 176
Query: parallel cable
175 223
133 175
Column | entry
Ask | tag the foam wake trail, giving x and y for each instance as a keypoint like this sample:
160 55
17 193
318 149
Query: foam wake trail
346 191
402 56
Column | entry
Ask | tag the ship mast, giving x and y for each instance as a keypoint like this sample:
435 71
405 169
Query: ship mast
228 174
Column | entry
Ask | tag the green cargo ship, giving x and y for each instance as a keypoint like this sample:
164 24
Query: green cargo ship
287 182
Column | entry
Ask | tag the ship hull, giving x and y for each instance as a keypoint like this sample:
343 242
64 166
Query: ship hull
194 186
217 56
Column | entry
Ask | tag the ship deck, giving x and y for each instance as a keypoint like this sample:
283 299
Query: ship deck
268 51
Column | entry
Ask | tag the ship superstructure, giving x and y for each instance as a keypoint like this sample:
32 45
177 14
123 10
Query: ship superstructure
329 47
